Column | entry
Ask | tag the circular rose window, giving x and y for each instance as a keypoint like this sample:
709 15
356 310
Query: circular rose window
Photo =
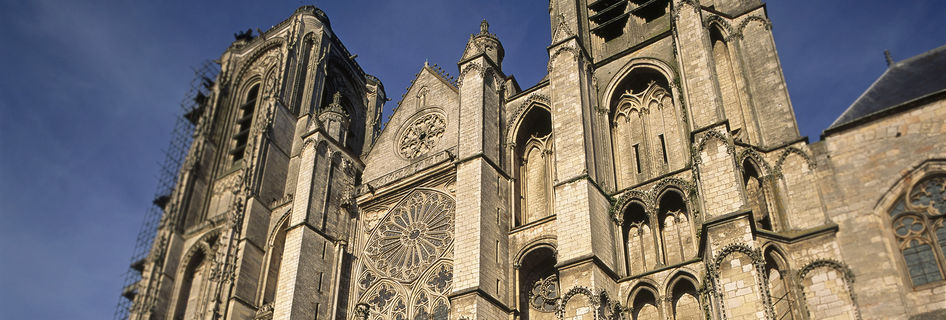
414 235
421 135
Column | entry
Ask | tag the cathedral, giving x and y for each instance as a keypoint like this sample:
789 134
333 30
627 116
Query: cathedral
655 172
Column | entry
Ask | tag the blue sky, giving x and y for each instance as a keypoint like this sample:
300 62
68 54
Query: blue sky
89 90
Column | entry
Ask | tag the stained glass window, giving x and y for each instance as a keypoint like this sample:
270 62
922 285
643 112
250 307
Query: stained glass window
921 263
917 223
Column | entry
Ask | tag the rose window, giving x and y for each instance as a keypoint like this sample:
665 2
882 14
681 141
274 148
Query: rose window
413 236
422 135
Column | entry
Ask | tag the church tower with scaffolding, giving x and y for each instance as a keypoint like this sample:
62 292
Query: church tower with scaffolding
655 172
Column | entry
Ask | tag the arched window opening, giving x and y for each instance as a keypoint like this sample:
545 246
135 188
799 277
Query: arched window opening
783 303
534 165
302 75
755 191
644 305
639 241
275 260
726 78
686 302
675 230
918 225
647 130
243 122
538 285
192 284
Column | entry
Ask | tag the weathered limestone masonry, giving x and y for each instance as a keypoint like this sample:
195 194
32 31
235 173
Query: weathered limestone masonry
655 172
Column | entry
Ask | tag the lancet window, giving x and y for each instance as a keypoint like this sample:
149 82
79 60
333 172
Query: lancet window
534 163
917 221
192 284
639 240
271 272
243 121
759 195
726 72
685 300
675 228
780 287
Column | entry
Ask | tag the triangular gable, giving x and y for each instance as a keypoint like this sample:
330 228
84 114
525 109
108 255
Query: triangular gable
431 94
562 31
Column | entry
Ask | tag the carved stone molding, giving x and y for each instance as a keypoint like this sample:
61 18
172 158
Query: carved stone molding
649 198
535 98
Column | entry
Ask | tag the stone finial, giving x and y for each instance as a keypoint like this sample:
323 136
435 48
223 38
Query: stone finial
484 27
888 57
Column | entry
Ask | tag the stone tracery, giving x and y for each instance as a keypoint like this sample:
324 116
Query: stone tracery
920 229
413 236
422 135
410 246
544 294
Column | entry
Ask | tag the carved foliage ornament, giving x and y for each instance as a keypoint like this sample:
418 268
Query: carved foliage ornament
421 135
413 236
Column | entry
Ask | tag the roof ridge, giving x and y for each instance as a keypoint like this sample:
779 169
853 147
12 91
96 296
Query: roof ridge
900 82
920 56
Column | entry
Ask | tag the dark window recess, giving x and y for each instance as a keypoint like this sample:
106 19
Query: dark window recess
608 18
243 123
921 262
663 147
649 10
637 157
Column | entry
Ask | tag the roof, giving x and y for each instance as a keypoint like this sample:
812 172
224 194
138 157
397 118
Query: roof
904 81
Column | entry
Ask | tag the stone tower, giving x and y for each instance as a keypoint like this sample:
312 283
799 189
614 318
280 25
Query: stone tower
290 114
655 172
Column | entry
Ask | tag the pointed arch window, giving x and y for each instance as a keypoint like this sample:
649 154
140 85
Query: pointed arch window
685 301
643 304
192 284
271 275
533 165
917 221
728 88
647 129
758 193
780 287
675 228
539 289
244 120
639 242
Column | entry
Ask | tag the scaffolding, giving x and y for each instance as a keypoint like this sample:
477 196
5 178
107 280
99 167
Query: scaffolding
191 108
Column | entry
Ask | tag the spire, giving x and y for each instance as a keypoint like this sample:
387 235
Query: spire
484 43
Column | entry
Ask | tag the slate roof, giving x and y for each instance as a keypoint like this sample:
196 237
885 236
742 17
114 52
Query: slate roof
904 81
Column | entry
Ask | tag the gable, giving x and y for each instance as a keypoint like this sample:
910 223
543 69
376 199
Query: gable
423 124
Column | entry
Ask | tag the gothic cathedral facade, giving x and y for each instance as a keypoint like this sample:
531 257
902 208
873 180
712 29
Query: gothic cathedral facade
655 172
